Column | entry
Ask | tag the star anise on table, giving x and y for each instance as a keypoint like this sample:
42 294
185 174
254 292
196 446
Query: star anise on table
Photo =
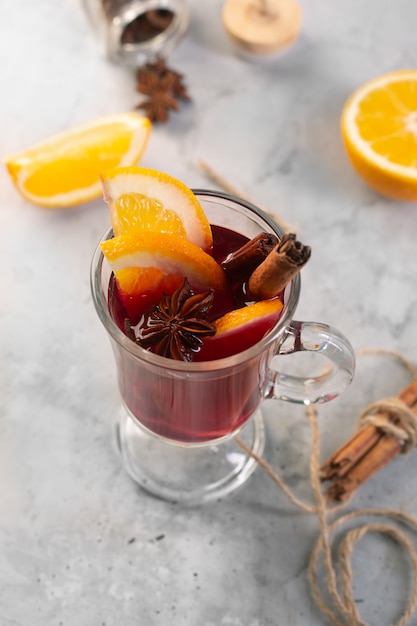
175 328
159 98
163 88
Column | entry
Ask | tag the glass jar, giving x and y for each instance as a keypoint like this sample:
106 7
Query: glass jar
133 32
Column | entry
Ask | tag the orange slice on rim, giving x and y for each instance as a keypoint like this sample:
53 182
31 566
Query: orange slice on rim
166 252
143 199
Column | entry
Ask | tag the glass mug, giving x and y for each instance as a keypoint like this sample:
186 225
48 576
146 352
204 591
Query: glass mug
175 432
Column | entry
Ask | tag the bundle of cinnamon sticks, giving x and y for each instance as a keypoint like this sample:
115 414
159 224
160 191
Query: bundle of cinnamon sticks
369 450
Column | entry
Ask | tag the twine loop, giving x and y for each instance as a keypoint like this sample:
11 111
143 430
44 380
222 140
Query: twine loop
394 418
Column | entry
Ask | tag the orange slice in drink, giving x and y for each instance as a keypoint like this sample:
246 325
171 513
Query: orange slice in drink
143 199
379 129
137 285
65 169
134 281
240 329
162 251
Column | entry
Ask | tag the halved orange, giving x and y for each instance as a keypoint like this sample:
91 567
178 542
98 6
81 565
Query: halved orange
65 169
143 199
166 252
240 329
379 129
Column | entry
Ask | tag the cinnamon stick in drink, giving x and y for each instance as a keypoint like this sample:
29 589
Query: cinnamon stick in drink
365 453
279 268
241 263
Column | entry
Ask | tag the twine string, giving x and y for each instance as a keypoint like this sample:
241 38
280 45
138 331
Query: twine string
379 413
402 426
339 606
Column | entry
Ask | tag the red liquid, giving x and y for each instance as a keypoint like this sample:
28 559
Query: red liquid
199 406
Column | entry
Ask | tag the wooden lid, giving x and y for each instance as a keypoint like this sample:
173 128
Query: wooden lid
262 26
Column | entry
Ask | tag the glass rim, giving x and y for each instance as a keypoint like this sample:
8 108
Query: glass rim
292 292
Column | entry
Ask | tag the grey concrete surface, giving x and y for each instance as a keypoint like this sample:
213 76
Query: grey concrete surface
80 543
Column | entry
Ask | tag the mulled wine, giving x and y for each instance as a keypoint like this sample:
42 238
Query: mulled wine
195 397
162 403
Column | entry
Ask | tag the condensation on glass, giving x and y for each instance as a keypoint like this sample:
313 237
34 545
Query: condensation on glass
133 32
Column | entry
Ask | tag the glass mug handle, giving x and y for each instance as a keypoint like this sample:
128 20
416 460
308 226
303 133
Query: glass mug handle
322 339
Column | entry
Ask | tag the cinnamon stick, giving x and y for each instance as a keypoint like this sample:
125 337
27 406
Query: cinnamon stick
371 463
345 457
364 454
241 263
279 267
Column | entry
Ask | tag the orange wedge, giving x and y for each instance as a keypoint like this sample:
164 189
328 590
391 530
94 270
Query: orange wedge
165 252
142 199
240 329
379 129
64 170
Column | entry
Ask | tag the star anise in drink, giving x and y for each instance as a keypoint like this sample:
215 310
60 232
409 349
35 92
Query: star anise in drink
175 328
